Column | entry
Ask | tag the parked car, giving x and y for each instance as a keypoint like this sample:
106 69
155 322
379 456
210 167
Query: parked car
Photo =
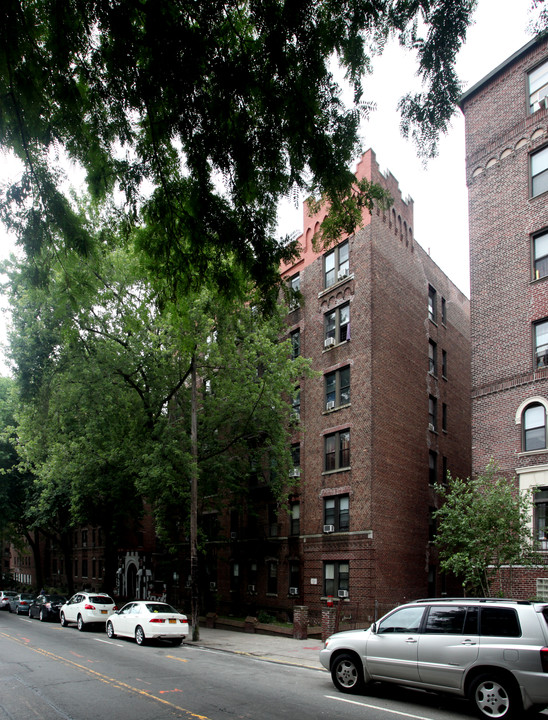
20 603
46 607
86 609
495 652
145 620
5 597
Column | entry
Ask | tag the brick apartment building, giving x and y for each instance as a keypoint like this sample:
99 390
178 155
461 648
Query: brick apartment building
506 120
388 415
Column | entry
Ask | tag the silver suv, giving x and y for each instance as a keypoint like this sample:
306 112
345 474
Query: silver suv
495 652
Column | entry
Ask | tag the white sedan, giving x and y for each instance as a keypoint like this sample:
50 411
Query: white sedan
145 620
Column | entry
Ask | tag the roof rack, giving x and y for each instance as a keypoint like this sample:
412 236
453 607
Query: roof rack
474 599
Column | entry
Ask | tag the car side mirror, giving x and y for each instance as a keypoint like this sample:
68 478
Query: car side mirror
374 628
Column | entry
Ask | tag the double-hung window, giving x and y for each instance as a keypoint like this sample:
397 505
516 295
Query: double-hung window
295 518
541 344
294 291
336 264
336 577
538 86
539 172
295 344
432 310
337 326
540 256
432 467
336 513
337 388
337 450
540 517
432 357
432 413
534 427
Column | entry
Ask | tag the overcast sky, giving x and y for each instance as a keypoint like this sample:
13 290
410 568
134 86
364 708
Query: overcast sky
438 190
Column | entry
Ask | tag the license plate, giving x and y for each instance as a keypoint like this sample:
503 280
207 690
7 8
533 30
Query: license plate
172 622
104 612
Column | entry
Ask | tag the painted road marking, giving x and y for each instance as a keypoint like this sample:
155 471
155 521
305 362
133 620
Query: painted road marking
378 707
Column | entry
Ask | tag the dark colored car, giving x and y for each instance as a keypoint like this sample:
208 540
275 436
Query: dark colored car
46 607
20 603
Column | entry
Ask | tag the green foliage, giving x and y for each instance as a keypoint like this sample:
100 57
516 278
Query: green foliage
483 525
201 115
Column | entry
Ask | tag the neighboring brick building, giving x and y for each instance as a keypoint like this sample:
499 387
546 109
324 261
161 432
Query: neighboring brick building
389 415
507 174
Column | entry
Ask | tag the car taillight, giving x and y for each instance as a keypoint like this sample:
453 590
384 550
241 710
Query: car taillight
157 620
23 602
114 608
544 659
89 607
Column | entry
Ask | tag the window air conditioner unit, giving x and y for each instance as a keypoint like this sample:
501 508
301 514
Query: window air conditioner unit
330 405
251 588
293 591
213 586
343 593
329 342
431 427
295 472
328 528
233 535
342 274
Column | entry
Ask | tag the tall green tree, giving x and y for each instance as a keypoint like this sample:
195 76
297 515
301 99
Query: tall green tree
202 114
483 524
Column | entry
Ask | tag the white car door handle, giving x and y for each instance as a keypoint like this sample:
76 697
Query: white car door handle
468 642
411 640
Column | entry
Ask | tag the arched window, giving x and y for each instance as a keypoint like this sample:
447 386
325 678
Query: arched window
534 427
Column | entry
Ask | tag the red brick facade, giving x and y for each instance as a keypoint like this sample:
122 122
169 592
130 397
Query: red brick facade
507 297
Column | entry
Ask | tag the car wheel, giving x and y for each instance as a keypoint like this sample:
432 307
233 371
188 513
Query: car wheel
495 697
43 616
347 674
176 642
110 630
63 620
80 624
139 635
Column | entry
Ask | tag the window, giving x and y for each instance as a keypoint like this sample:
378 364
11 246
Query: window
538 86
272 577
84 538
539 172
432 467
337 326
234 576
540 517
406 620
296 460
444 417
452 621
294 291
337 388
432 412
444 311
432 357
295 344
444 363
84 567
336 576
336 264
296 405
541 344
534 427
295 518
540 256
432 303
336 512
337 450
499 622
294 574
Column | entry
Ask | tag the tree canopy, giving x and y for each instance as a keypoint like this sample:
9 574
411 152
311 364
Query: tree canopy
199 115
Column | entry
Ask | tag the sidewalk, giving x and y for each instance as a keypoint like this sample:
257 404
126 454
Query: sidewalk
273 648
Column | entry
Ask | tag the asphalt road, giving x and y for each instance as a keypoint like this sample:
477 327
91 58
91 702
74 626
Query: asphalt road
54 673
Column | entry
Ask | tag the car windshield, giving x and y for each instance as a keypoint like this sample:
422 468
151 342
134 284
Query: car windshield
160 608
101 599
